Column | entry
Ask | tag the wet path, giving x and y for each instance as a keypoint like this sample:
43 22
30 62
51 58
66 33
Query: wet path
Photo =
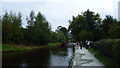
82 57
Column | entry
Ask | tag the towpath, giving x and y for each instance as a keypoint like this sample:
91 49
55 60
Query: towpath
83 58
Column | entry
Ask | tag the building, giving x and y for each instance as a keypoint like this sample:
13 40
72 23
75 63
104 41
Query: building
119 10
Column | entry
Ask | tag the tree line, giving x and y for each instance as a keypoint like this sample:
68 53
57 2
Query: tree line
86 26
38 30
89 26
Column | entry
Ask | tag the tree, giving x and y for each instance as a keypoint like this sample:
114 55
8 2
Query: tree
114 32
61 37
85 35
16 28
54 37
63 33
6 28
42 29
88 21
11 25
76 25
29 32
106 22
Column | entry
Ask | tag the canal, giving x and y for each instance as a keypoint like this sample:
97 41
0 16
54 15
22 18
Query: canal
47 57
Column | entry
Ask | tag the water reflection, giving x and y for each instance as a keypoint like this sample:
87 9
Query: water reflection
61 58
56 56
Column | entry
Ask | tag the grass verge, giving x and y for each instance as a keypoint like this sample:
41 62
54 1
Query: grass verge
12 48
54 44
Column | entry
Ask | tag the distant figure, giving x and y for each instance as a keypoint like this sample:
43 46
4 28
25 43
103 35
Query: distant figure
87 44
81 44
77 44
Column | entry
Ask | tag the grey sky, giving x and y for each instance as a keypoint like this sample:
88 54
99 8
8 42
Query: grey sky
58 12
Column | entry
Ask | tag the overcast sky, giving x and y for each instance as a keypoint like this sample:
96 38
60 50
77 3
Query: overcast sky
58 12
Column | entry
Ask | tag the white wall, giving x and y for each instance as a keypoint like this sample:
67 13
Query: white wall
119 10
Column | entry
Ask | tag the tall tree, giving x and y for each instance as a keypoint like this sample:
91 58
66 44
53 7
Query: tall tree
16 28
11 25
106 24
6 28
76 25
42 29
30 21
88 21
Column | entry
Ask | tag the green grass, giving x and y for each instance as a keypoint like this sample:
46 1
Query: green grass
54 44
10 48
104 59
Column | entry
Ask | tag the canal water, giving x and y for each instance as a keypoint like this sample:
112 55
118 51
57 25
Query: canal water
47 57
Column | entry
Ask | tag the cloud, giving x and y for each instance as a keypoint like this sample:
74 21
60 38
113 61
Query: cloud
58 12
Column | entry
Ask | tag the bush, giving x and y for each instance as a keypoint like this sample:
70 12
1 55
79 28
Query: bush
109 48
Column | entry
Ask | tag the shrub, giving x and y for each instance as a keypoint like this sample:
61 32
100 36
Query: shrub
109 48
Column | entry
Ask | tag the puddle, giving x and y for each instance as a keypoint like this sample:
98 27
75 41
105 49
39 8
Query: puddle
82 54
86 61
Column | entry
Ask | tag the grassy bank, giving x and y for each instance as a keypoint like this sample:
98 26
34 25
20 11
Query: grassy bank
54 44
12 48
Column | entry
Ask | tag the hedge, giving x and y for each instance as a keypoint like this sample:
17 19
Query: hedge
109 48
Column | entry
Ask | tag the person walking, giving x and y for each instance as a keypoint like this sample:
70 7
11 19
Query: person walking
77 44
81 44
86 42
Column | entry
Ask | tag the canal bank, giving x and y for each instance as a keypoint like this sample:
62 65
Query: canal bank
14 48
83 58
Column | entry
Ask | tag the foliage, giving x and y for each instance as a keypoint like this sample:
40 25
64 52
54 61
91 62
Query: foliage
76 25
109 48
54 37
11 28
88 21
107 61
85 35
114 32
106 24
37 31
62 34
41 30
91 22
